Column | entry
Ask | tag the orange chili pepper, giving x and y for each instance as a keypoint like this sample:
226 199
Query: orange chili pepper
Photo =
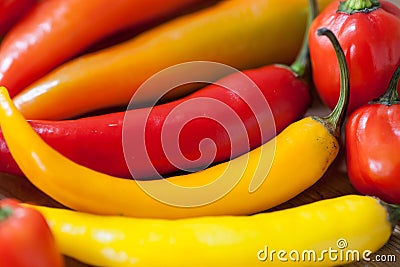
241 33
55 31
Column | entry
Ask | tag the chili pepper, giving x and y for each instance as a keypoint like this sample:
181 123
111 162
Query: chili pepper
361 222
62 29
373 144
26 239
229 32
11 11
369 32
255 181
96 142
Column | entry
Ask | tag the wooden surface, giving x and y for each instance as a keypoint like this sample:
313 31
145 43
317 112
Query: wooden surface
333 183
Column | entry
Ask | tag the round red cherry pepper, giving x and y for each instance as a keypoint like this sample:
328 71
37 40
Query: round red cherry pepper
373 146
369 32
25 238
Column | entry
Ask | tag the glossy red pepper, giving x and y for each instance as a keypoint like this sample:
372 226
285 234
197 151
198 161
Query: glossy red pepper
373 146
370 37
96 142
54 31
11 11
25 238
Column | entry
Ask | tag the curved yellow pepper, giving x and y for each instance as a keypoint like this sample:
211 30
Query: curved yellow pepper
353 226
253 182
304 151
240 33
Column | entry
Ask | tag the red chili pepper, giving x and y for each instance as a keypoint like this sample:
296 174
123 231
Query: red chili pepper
25 238
54 31
95 142
11 11
370 37
373 145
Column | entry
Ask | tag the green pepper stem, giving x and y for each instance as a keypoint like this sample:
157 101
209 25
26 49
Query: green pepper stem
302 61
5 212
391 96
354 6
393 212
335 119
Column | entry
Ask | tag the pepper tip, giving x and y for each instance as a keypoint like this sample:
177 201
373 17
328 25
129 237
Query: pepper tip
5 102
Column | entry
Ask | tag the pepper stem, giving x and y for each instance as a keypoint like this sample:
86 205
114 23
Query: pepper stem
335 119
391 96
5 212
393 212
302 61
354 6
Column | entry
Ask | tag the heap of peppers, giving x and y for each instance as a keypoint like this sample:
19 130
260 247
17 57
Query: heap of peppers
350 77
369 32
135 240
229 32
95 142
252 177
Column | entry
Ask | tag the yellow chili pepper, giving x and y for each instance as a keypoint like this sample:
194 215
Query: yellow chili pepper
240 33
324 233
244 185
